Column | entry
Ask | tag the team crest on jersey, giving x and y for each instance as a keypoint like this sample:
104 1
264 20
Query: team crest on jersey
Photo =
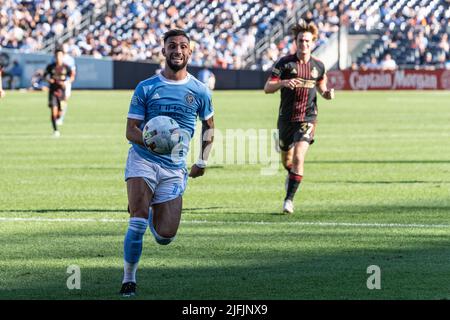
189 98
314 72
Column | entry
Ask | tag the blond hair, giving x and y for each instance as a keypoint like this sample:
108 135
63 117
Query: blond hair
303 26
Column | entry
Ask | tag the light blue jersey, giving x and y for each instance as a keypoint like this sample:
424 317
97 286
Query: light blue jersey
182 100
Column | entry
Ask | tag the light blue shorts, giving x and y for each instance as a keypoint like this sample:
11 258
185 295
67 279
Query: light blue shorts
166 184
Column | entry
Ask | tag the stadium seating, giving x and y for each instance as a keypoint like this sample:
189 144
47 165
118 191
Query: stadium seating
409 30
414 32
223 30
26 25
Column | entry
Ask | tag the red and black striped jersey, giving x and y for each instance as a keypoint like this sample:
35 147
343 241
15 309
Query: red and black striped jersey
58 73
299 104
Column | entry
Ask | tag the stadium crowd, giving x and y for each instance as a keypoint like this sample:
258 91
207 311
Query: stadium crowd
415 36
25 25
225 31
222 31
410 35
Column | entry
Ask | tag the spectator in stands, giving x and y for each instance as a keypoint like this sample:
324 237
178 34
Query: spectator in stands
428 63
354 66
373 64
308 17
441 61
421 43
443 43
384 11
388 63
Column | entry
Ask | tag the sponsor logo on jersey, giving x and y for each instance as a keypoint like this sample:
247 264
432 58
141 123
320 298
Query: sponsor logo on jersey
155 96
306 83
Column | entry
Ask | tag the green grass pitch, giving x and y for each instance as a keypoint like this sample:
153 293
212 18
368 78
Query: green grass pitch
376 191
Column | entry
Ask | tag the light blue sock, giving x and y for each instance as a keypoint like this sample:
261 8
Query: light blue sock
133 247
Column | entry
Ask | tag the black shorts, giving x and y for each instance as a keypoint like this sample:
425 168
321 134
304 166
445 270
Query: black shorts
55 97
292 132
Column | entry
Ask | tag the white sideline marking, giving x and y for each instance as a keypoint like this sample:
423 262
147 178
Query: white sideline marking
300 223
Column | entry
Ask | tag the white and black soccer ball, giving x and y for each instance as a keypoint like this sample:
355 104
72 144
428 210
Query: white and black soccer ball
161 134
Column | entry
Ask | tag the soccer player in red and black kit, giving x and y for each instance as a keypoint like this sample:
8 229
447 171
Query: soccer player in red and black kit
298 76
56 74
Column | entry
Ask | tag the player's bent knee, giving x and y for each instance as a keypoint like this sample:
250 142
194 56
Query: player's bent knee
159 238
162 240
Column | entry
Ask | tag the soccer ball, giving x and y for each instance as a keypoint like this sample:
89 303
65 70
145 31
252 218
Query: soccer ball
161 134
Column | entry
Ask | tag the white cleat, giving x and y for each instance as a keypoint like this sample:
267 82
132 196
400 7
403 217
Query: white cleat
59 122
56 134
288 206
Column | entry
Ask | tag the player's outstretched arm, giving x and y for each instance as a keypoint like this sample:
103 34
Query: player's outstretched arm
198 169
133 133
323 90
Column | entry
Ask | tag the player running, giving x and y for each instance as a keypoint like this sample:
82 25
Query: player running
70 61
57 74
155 183
298 76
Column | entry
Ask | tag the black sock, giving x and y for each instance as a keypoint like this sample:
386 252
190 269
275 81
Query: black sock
294 182
54 123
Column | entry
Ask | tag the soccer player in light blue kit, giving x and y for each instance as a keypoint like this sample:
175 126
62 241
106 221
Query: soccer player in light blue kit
155 183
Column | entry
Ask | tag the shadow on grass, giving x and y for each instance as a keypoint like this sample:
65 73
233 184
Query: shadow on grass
56 210
212 263
413 273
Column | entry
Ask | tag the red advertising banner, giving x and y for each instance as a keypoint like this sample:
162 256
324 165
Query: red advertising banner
389 80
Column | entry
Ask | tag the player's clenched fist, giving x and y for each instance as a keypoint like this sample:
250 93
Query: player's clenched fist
329 94
290 83
196 171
